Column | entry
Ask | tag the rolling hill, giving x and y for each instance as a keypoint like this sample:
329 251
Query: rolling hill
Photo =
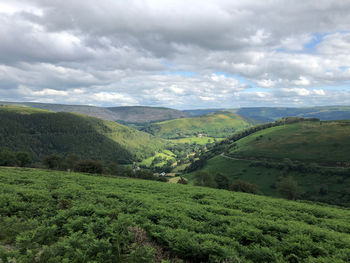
314 154
268 114
41 132
142 114
308 141
219 124
131 114
48 216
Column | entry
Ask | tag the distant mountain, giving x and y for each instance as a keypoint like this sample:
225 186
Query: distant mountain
219 124
131 114
142 114
41 132
200 112
268 114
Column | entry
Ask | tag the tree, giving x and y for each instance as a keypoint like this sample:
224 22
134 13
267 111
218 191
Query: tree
204 179
288 188
23 159
113 168
90 166
8 158
241 186
72 160
222 181
53 161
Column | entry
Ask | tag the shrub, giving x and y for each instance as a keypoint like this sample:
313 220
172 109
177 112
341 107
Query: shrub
241 186
90 166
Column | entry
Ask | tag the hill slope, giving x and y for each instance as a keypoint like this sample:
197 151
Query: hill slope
306 151
132 114
142 114
219 124
66 217
42 133
268 114
319 142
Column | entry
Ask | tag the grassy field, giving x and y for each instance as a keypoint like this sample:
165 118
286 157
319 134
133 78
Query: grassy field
48 216
166 155
218 125
319 142
197 140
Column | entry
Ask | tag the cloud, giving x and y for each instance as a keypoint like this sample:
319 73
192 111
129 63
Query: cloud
124 53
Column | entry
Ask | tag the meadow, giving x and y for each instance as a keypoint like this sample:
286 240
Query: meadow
319 142
50 216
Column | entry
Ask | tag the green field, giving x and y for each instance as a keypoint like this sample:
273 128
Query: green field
197 140
41 133
217 125
48 216
166 155
319 142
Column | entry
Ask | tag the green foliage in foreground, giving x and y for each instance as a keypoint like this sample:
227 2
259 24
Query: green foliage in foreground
43 133
68 217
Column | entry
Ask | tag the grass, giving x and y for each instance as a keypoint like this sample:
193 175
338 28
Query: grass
21 109
165 154
319 142
197 140
48 216
218 125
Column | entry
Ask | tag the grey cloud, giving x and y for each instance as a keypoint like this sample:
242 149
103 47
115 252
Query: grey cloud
129 52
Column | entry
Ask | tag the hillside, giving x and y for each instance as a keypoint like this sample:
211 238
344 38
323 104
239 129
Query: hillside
42 132
268 114
200 112
132 114
319 142
71 217
142 114
219 124
314 154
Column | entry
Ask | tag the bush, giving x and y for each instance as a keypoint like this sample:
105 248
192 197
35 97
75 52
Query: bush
204 179
53 161
23 159
222 181
241 186
8 158
288 188
182 181
90 166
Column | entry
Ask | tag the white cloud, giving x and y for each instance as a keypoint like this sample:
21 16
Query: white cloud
118 52
302 81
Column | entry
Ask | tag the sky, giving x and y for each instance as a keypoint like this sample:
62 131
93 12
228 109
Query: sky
176 53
